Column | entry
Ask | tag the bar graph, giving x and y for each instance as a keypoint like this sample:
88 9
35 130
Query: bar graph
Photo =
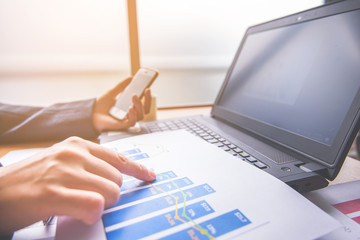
137 152
152 190
166 202
114 215
133 183
213 228
201 192
173 206
159 223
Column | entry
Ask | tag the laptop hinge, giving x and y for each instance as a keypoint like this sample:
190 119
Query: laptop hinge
312 167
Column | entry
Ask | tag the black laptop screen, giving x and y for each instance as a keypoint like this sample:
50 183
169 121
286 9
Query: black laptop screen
301 78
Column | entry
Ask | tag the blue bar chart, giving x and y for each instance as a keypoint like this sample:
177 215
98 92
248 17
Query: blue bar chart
213 228
170 201
159 223
156 204
132 183
202 192
151 191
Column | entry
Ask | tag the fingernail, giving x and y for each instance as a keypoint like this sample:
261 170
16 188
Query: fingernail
150 171
152 174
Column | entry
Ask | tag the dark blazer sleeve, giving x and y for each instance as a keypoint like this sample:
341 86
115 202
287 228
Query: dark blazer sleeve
56 122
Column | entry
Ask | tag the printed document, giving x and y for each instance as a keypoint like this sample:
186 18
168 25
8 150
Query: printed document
201 192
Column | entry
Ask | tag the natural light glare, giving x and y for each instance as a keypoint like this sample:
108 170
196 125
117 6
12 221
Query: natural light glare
203 33
93 34
63 34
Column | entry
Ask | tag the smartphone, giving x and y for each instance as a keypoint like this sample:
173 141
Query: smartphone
143 79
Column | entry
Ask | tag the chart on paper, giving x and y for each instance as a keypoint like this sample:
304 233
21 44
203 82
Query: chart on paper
141 152
168 191
202 192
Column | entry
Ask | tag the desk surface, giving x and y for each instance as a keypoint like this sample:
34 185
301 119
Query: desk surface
349 172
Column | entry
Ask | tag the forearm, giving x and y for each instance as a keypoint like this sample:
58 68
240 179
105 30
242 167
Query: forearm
56 122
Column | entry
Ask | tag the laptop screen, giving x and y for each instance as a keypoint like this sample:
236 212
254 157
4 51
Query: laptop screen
297 84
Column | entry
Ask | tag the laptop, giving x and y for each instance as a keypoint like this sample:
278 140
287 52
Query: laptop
290 100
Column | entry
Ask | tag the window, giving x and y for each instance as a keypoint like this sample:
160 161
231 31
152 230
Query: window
191 42
63 35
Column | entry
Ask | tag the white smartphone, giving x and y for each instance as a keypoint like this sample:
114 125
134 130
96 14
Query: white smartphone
143 79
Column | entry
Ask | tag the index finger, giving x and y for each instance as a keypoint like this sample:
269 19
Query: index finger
136 170
122 163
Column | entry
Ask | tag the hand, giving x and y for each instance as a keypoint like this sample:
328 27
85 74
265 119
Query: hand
103 121
75 178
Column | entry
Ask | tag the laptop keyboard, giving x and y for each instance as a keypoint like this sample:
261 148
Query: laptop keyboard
208 135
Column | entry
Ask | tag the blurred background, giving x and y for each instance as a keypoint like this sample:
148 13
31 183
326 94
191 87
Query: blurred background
65 50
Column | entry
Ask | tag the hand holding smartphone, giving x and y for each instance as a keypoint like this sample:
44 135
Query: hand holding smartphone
142 80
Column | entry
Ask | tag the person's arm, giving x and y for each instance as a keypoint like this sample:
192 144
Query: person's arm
75 178
85 119
56 122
